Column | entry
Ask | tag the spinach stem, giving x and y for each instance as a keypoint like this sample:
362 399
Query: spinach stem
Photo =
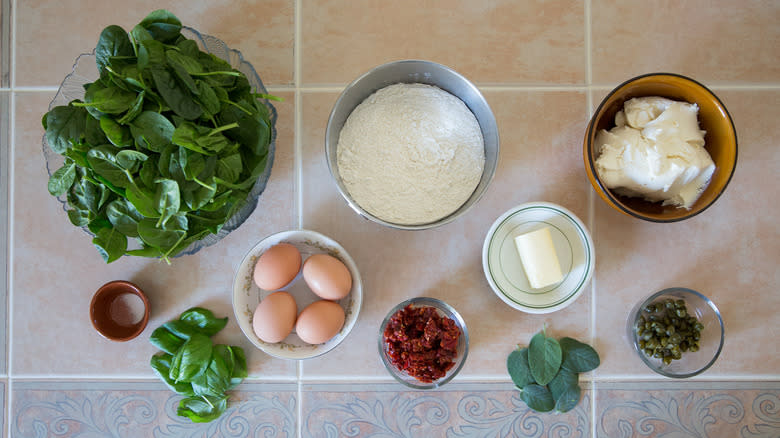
203 184
222 128
237 105
215 73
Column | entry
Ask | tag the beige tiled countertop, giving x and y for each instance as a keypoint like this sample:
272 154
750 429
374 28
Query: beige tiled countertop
543 66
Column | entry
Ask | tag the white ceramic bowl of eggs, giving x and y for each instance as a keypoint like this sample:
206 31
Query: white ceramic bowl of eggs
297 294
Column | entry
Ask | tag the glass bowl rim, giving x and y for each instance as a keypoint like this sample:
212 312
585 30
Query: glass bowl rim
667 291
441 306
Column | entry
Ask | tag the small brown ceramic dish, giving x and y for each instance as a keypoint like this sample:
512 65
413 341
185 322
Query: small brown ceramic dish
720 142
116 313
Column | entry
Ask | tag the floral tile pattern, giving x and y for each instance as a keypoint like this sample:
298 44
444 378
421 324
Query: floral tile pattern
701 409
463 410
111 409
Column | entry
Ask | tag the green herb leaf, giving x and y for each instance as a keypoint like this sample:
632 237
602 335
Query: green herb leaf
537 397
166 341
192 358
167 200
562 382
152 131
64 126
204 320
215 380
117 134
111 244
517 365
577 356
202 409
62 179
544 358
161 364
113 42
568 399
162 25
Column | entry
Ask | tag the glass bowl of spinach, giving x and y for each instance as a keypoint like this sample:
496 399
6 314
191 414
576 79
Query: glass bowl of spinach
160 141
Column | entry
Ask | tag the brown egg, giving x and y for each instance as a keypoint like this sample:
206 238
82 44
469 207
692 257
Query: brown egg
327 276
274 317
319 321
277 266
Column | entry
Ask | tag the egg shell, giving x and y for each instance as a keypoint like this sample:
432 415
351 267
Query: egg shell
277 266
274 317
327 276
319 322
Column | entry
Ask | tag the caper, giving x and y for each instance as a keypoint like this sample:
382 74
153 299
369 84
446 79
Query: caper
680 304
670 329
695 347
680 312
642 344
699 326
658 354
675 338
667 360
669 303
667 330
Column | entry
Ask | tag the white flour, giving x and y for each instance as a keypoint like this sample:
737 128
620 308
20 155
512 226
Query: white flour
411 154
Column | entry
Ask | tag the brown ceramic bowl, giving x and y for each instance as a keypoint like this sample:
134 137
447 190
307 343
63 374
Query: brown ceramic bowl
720 142
115 315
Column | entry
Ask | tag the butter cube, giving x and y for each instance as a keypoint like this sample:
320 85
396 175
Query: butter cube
539 259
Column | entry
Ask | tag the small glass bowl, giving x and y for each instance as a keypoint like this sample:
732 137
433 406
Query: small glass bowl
710 345
444 310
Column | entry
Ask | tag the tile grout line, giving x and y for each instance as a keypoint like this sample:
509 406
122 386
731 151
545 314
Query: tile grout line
298 160
591 200
10 222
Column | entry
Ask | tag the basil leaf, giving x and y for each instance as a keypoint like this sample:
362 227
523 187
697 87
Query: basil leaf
161 364
562 381
202 409
192 358
111 244
537 397
62 179
204 320
544 358
215 380
166 341
568 399
181 328
517 365
578 357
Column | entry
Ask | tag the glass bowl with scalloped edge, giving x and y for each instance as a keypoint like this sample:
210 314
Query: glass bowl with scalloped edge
85 71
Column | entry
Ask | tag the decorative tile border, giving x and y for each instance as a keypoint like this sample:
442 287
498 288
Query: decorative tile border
688 409
145 409
462 410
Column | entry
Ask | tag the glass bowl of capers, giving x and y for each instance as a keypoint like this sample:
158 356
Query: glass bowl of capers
677 332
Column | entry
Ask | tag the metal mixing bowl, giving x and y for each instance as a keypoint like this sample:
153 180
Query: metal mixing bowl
422 72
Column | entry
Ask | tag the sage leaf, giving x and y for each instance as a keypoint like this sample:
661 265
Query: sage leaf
568 399
537 397
517 365
544 358
577 356
562 381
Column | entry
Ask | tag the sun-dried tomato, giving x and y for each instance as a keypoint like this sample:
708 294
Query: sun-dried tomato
421 342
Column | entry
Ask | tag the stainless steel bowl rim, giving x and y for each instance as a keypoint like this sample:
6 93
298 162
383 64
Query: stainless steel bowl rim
492 127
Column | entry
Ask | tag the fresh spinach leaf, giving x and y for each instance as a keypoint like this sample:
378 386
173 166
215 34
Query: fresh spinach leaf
544 358
162 25
130 159
143 201
111 244
113 42
108 100
64 125
152 131
117 134
62 179
175 95
167 199
135 109
124 217
156 237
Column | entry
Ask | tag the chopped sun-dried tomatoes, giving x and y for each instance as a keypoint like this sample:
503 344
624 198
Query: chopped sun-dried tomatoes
421 342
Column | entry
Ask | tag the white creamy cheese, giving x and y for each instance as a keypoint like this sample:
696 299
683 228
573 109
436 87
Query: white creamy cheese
655 151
